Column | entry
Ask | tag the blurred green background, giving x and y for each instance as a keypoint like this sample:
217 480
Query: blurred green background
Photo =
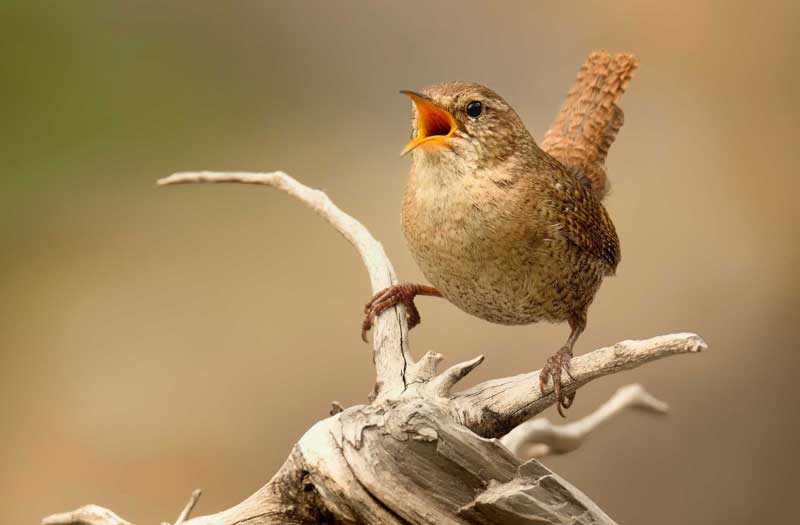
153 341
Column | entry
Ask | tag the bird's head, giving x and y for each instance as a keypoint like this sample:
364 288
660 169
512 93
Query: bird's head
464 122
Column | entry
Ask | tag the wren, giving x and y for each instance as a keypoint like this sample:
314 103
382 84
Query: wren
501 228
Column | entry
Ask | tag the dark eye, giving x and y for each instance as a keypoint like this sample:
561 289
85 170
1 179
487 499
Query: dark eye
474 109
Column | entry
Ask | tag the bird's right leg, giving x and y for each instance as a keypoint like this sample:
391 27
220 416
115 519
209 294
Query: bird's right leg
398 294
560 361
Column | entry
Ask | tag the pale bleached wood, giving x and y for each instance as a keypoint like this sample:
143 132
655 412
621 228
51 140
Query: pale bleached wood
493 408
390 332
540 437
187 510
415 454
86 515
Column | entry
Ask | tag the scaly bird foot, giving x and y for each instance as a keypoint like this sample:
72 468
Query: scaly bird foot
398 294
553 368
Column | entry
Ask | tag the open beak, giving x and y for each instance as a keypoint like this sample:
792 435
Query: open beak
434 124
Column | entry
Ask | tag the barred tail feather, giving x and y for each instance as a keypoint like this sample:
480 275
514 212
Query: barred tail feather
590 119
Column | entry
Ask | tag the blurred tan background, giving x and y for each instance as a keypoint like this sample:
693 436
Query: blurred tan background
156 341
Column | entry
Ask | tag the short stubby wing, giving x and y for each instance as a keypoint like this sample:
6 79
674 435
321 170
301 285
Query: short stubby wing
583 220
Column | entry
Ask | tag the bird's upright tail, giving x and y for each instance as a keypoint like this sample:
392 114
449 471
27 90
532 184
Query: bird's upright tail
589 119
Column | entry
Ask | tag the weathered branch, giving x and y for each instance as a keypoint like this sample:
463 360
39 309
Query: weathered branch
539 437
441 385
493 408
86 515
410 456
390 333
184 515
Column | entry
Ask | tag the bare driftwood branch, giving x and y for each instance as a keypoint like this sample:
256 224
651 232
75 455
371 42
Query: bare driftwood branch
390 333
86 515
415 454
494 407
537 438
419 452
184 515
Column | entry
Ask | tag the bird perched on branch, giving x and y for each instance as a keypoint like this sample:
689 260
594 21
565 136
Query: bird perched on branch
504 229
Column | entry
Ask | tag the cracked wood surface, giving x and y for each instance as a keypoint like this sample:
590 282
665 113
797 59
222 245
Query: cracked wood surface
493 408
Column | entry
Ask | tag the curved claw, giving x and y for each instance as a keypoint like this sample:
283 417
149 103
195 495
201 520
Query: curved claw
553 368
379 302
365 327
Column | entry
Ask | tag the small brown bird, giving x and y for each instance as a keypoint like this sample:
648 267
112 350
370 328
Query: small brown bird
503 229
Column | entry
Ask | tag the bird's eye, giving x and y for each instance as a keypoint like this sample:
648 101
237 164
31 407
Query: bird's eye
474 109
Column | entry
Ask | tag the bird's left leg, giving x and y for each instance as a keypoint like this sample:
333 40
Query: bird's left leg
560 361
394 295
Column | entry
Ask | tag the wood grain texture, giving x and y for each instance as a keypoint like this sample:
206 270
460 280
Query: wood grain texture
419 454
493 408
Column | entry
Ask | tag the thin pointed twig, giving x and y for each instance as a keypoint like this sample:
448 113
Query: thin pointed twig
184 515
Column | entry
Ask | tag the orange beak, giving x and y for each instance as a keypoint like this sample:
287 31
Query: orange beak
434 124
